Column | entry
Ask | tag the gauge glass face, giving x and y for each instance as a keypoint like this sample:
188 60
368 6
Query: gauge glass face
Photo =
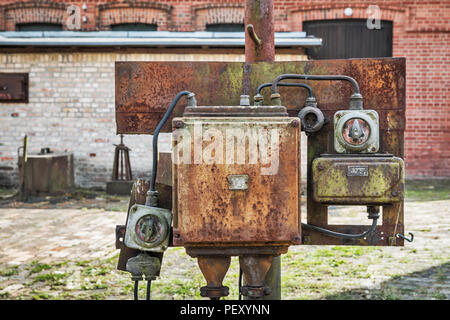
356 131
147 229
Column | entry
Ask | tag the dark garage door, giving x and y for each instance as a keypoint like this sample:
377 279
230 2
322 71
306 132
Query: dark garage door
349 38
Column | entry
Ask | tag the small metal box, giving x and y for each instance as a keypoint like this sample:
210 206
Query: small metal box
366 124
358 179
148 228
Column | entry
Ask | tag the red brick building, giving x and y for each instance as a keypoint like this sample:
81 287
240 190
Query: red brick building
419 31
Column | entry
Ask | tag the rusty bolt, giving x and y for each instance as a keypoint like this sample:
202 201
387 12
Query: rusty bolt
295 123
320 166
178 124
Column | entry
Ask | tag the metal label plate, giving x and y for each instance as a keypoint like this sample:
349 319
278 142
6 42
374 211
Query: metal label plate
357 171
237 182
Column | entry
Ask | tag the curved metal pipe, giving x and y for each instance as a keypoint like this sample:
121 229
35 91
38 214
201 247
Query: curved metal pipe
275 83
156 134
286 84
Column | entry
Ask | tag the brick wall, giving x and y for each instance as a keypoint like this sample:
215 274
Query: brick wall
421 34
71 107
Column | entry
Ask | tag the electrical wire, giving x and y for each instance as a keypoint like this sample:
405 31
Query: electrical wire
275 83
287 84
343 235
156 134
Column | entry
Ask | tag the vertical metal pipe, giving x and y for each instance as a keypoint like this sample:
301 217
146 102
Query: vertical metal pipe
259 26
260 46
273 280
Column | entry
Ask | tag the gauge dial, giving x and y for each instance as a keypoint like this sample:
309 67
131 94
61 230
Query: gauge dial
356 131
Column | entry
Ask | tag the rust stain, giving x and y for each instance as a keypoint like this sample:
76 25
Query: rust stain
144 90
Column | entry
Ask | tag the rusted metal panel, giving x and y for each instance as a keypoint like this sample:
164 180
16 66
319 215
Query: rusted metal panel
262 210
164 173
144 90
14 87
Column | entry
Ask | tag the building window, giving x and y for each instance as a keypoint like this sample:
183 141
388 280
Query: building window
225 27
38 27
134 27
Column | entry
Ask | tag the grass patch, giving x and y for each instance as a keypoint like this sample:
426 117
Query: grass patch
53 279
40 296
10 271
439 296
4 295
37 267
428 189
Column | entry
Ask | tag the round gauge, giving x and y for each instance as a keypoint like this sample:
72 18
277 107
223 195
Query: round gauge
148 228
356 131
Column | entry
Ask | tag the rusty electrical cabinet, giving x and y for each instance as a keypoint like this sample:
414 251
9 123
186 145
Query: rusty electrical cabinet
223 209
224 202
246 190
14 87
141 103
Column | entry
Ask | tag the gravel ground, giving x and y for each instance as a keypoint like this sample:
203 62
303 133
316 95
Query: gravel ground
65 250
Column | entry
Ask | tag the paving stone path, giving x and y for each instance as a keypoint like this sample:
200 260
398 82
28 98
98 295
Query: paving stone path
51 234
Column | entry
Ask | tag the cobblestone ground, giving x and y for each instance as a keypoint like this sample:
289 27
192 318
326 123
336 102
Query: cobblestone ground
68 253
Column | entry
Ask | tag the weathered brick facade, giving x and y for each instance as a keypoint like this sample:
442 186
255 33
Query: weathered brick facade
71 107
71 93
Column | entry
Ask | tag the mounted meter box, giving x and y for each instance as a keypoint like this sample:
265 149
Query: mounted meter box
356 131
148 228
357 174
358 179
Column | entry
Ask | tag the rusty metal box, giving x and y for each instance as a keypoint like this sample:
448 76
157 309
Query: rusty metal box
358 180
234 195
48 174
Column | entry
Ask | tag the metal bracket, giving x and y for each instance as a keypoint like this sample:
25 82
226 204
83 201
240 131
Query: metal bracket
253 35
